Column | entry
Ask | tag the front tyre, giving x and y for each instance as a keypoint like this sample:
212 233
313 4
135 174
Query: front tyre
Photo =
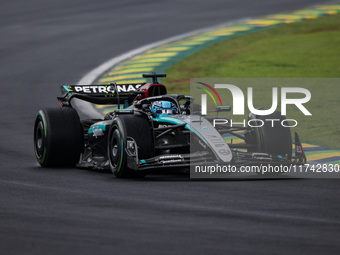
58 137
123 128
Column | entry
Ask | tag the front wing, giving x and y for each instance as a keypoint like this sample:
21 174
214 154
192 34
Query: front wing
204 158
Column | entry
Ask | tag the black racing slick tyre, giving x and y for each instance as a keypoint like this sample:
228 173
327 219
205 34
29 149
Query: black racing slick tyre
276 139
58 137
127 127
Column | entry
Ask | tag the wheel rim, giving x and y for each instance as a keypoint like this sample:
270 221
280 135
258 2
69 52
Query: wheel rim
115 149
39 140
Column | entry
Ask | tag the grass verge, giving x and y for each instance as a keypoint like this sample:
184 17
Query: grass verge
307 49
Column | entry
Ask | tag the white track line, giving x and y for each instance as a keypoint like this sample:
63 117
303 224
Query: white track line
88 109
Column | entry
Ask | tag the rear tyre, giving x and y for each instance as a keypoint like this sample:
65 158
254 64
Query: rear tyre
125 127
58 137
274 140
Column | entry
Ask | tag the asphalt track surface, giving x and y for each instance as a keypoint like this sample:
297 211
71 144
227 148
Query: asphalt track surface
45 44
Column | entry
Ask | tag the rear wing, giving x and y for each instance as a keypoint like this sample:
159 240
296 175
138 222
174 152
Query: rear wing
113 93
101 94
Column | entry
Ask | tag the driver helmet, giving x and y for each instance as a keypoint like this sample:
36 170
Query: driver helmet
160 107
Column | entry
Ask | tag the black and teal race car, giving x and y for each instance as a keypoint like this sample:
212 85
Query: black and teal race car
150 131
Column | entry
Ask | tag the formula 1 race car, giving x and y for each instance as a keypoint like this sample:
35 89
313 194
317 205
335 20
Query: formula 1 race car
150 131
